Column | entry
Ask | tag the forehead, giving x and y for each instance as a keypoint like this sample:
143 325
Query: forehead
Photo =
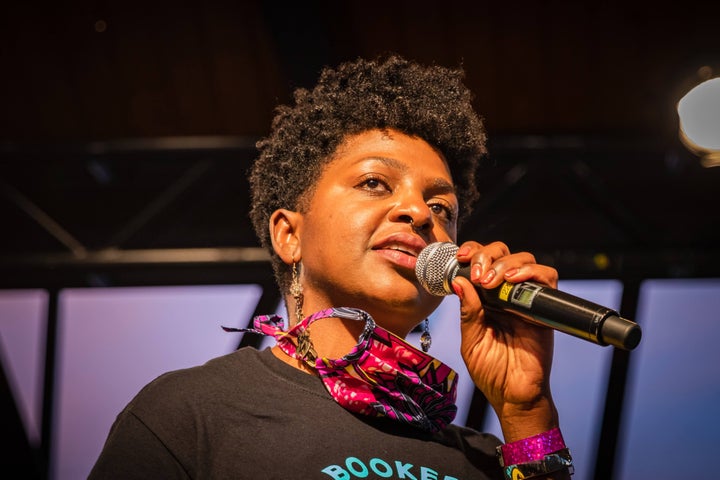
393 149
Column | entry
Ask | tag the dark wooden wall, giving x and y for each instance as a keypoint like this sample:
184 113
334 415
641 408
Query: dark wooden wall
87 70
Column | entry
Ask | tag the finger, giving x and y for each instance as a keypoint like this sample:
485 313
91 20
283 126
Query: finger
481 257
497 270
493 264
536 272
470 304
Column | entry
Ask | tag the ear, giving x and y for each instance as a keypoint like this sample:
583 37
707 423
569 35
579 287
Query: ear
285 227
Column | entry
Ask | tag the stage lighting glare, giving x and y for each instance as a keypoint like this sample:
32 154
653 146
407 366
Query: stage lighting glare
699 112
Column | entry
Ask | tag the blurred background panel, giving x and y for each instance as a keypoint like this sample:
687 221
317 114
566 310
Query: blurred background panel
113 341
674 385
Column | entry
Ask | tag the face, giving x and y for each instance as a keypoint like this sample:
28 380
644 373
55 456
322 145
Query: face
378 203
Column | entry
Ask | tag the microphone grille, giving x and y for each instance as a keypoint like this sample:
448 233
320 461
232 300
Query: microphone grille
433 265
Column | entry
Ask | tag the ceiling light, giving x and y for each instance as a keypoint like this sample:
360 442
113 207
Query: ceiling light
699 112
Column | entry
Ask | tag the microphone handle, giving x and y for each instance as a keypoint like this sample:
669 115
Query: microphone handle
562 311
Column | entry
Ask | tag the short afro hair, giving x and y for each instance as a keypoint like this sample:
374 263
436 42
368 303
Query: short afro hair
430 102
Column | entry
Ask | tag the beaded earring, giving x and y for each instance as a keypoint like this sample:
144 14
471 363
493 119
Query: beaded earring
425 338
296 291
305 348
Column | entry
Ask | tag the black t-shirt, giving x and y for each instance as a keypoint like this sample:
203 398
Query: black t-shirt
248 415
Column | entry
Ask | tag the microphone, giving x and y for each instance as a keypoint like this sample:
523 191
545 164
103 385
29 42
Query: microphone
437 267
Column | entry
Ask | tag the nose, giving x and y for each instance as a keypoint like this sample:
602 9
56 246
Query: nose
413 210
416 228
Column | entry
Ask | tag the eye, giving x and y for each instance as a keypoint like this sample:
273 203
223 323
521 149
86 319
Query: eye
443 210
374 184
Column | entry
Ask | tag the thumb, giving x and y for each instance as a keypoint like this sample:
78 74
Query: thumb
470 304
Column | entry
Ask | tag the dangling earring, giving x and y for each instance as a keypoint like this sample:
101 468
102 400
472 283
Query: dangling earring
296 291
425 338
305 349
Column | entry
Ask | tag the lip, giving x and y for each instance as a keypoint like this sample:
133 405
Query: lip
401 248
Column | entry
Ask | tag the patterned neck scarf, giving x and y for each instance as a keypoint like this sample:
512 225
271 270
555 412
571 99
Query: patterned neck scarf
382 376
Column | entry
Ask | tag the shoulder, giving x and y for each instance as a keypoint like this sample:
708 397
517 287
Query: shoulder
199 383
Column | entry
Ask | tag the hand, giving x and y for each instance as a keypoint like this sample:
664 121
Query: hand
508 358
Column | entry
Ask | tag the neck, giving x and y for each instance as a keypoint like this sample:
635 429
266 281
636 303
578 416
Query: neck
331 337
398 318
293 362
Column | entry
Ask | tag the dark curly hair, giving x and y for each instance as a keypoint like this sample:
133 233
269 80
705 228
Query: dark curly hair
390 92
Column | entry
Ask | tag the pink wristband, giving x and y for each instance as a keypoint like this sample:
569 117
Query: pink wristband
532 448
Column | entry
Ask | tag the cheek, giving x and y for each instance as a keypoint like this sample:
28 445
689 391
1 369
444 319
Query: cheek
330 230
345 225
452 232
351 221
446 233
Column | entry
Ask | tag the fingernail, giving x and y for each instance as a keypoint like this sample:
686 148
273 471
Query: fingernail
458 291
475 272
512 272
463 251
488 276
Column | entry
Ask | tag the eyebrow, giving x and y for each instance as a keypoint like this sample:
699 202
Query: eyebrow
439 185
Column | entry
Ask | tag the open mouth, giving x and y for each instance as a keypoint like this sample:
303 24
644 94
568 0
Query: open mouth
399 248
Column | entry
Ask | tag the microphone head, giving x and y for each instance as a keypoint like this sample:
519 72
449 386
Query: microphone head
436 267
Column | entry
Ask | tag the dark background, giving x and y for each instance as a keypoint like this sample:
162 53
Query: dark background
131 125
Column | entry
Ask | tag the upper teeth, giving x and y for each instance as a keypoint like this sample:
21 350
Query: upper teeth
399 248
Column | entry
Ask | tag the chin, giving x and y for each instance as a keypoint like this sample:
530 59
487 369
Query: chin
400 314
392 298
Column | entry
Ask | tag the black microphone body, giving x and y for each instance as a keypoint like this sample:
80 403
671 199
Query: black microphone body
437 266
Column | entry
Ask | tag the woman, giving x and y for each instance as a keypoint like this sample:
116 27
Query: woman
355 179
